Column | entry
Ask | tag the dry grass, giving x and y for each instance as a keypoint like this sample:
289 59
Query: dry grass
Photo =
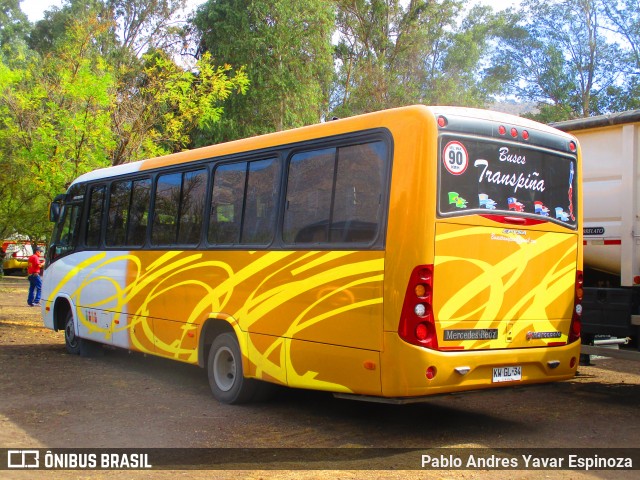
16 317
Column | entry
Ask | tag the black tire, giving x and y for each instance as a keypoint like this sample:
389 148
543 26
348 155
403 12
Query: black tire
71 341
226 376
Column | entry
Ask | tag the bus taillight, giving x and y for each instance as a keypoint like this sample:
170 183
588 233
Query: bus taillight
576 322
417 325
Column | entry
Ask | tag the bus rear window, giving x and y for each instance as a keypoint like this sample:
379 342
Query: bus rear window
484 176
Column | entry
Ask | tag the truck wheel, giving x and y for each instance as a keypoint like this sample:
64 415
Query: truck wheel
71 341
224 368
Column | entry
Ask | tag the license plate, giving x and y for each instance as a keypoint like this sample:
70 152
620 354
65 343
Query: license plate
507 374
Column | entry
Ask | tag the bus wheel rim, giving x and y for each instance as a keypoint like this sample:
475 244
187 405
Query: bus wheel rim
224 369
71 335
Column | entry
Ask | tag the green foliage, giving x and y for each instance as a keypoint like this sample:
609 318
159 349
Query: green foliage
624 21
285 47
79 99
55 113
174 103
560 57
393 53
14 25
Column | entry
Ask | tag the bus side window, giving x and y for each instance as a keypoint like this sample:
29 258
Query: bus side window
260 202
139 212
94 219
118 213
309 192
358 193
227 203
165 215
243 203
192 202
69 230
335 195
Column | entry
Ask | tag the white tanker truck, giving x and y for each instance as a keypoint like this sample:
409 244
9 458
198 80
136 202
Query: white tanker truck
611 191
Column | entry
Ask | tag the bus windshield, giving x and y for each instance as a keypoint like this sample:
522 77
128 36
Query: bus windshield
489 176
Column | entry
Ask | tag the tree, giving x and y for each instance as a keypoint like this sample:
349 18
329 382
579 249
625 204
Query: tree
155 104
558 56
393 53
624 19
285 47
374 38
14 25
67 108
147 25
55 125
168 103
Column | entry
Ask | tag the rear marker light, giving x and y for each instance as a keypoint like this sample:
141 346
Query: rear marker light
431 372
576 327
525 134
514 132
442 122
575 330
425 274
502 130
421 331
572 363
573 147
417 324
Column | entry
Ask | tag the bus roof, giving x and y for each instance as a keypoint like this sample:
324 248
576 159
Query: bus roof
383 118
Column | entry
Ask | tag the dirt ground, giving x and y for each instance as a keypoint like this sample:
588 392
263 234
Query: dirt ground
49 399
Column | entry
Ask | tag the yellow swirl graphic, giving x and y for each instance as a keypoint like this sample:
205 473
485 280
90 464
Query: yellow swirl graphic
160 300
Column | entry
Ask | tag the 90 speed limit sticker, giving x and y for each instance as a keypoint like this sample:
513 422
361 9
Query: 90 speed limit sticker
455 158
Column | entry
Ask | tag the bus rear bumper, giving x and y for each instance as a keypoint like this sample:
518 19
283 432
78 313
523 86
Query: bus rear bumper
405 368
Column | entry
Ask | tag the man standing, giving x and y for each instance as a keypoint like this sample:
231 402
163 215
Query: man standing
34 265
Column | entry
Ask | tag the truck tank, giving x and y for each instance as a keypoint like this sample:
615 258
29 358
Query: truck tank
610 146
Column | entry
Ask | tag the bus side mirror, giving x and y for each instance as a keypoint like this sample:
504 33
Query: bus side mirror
55 207
54 212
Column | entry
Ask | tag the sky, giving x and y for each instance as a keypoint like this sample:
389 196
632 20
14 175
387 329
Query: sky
35 8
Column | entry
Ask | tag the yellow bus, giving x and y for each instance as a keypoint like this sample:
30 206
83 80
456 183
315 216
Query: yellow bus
389 256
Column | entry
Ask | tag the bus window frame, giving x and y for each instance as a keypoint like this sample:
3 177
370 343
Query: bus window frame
281 154
341 141
247 160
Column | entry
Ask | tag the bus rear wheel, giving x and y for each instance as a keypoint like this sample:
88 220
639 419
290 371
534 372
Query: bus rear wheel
226 376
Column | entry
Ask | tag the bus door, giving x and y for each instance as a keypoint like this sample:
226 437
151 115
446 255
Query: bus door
67 214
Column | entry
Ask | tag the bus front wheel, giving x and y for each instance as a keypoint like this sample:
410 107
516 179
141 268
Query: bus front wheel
71 341
226 376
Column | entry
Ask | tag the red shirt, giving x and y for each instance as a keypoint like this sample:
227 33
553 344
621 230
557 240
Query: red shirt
34 264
